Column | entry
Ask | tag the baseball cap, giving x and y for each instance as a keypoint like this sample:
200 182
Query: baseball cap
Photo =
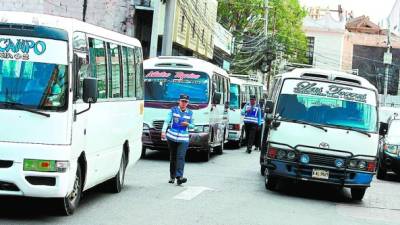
184 97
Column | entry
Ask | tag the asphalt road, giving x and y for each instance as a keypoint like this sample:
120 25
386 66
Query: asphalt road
226 190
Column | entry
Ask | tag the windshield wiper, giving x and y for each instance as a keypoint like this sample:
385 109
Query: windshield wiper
19 106
355 130
310 124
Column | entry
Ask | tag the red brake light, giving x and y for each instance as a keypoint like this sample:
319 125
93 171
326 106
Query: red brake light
371 166
272 153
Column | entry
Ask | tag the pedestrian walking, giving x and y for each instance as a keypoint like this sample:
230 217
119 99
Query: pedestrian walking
175 131
252 121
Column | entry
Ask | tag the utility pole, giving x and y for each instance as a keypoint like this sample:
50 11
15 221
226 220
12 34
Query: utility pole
154 30
266 36
168 27
387 60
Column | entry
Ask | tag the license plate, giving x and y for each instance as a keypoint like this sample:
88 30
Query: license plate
232 135
320 174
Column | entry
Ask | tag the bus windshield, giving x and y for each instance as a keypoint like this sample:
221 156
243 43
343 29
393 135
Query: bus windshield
36 77
167 85
326 105
234 97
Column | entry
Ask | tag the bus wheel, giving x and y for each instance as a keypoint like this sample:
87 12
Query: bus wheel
67 205
205 155
381 173
117 183
357 194
262 170
220 149
143 155
270 181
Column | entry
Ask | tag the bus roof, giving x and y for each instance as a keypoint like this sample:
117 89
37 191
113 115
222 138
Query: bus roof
68 24
183 63
331 75
235 80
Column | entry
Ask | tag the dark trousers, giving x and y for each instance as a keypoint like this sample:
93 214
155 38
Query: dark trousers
251 130
177 154
257 141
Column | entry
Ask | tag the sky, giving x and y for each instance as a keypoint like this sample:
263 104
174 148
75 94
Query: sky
377 10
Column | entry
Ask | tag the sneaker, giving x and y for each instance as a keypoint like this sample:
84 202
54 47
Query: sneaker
171 181
181 180
248 151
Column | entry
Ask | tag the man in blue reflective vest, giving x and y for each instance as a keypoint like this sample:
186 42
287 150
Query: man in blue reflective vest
180 119
252 120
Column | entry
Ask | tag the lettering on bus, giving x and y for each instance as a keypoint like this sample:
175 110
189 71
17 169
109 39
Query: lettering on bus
158 74
182 75
20 48
333 91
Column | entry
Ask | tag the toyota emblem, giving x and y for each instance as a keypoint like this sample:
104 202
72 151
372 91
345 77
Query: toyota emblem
324 145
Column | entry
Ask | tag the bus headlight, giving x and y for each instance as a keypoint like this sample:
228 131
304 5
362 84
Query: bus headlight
291 155
362 165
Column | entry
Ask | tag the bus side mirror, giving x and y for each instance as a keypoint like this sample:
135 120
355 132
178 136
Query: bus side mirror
383 128
216 98
243 104
90 90
269 106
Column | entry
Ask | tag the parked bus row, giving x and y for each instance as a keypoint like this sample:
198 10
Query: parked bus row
216 102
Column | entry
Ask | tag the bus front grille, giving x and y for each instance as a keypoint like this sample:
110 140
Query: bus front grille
158 124
325 160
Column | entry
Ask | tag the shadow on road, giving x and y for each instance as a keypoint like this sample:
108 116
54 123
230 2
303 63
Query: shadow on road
164 156
314 191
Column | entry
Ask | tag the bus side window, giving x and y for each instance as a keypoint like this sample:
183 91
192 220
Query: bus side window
80 63
97 55
139 73
128 62
114 78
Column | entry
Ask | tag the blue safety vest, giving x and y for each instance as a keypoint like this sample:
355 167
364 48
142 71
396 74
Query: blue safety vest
252 115
176 132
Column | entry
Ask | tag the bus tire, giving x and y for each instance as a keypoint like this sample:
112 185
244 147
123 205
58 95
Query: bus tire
143 155
205 155
262 170
381 173
117 183
357 194
66 206
220 149
270 182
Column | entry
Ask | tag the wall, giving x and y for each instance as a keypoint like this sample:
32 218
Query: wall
105 13
327 49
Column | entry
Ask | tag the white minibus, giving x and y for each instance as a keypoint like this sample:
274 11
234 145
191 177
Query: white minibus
240 91
208 88
71 107
323 128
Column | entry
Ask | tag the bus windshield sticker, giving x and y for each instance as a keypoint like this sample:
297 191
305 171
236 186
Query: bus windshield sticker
158 74
33 49
329 90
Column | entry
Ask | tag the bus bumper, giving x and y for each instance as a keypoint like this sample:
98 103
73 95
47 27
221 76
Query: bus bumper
152 140
14 181
291 170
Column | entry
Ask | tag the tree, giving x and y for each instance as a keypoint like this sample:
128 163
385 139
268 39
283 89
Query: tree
245 19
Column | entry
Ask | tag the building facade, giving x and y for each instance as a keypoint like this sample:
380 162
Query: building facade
363 50
325 36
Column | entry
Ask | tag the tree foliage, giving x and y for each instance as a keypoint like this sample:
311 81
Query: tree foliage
245 19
